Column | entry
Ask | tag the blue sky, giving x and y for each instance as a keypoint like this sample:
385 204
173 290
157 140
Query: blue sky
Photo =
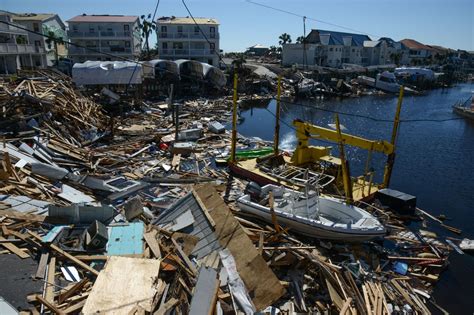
448 23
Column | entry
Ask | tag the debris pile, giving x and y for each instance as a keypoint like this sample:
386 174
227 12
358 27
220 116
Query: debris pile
143 223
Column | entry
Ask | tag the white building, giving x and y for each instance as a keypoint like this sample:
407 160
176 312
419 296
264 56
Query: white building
328 49
104 37
43 23
383 52
180 38
16 50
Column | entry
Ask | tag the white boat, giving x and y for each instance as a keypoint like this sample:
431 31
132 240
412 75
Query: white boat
387 82
315 216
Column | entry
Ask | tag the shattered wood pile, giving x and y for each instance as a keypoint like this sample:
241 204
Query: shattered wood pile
139 223
53 105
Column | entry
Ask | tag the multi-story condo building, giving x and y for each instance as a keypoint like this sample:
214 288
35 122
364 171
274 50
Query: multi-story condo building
44 23
418 53
181 38
383 52
104 37
327 48
16 50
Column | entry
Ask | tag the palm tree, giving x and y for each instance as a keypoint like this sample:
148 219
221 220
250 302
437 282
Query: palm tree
273 49
146 27
300 40
53 39
284 38
395 57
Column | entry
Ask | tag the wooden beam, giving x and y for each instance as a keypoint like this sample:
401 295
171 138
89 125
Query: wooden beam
67 255
13 248
150 238
49 292
184 257
49 305
204 209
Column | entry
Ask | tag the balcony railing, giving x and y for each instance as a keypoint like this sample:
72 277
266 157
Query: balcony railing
76 34
185 52
9 48
5 28
187 35
96 50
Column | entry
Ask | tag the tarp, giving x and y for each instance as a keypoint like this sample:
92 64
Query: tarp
160 68
190 68
107 72
214 75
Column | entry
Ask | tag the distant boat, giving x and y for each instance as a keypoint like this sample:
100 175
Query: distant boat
385 81
464 110
315 216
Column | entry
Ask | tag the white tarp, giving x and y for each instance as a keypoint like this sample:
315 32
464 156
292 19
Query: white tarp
107 72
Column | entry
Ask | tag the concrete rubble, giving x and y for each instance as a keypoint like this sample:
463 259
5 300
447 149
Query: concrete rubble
119 217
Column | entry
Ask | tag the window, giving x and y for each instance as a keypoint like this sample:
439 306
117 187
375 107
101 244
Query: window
127 43
164 45
74 28
163 29
212 46
180 28
353 50
36 27
330 49
126 28
37 43
91 29
196 29
212 30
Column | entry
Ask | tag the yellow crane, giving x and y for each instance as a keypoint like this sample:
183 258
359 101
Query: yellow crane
306 154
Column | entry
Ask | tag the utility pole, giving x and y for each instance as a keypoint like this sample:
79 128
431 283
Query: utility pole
276 139
234 120
391 156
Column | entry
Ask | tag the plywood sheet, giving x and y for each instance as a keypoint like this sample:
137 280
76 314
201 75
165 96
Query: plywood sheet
122 284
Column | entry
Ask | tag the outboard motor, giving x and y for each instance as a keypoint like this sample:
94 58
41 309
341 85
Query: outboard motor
254 190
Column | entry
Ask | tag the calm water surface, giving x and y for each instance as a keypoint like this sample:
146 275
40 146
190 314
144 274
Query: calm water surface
435 161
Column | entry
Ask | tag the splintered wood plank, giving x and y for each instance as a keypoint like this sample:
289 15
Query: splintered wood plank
150 238
67 255
49 294
15 250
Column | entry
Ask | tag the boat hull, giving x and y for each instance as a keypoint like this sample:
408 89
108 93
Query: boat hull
311 229
463 111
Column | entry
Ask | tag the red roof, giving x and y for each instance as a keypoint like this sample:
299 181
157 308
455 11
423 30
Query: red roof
104 18
413 44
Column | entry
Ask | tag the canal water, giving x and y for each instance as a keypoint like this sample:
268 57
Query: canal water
434 162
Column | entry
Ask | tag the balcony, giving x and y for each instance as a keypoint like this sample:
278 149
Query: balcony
187 35
9 29
101 34
8 48
185 52
98 50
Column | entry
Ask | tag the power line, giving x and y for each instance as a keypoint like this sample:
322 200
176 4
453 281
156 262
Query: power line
369 117
310 18
203 34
